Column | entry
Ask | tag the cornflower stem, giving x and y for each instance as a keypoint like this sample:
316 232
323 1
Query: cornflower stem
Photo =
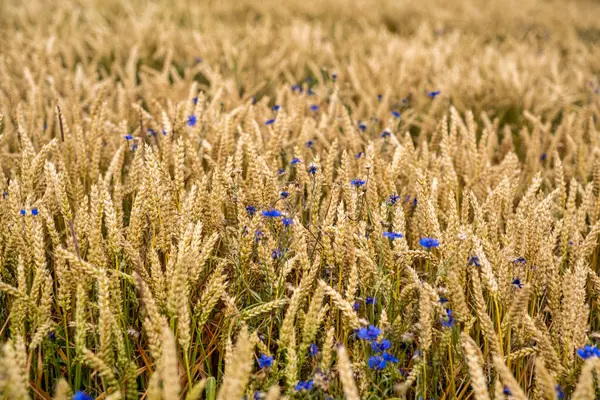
312 197
363 198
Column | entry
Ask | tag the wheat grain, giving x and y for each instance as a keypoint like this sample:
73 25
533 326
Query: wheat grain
345 371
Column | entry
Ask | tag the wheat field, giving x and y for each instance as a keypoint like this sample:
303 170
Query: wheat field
299 199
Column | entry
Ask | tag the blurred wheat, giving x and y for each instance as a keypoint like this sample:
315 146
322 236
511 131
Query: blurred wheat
299 199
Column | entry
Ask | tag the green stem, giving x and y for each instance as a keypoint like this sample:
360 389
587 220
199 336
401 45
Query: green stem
67 345
186 360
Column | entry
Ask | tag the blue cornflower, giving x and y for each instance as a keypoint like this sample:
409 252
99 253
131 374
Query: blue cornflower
543 157
362 126
287 221
152 132
4 194
164 132
313 350
308 385
433 94
312 169
392 235
507 391
314 108
588 351
396 114
258 235
356 306
270 121
251 210
280 171
128 137
52 336
297 88
560 394
23 212
295 161
257 395
429 243
265 361
362 333
448 321
191 120
357 182
195 100
393 199
379 97
517 283
369 333
474 260
81 395
359 154
34 211
276 254
377 363
310 144
310 92
276 107
519 260
385 134
284 194
271 213
384 345
443 300
334 76
134 147
371 300
389 357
